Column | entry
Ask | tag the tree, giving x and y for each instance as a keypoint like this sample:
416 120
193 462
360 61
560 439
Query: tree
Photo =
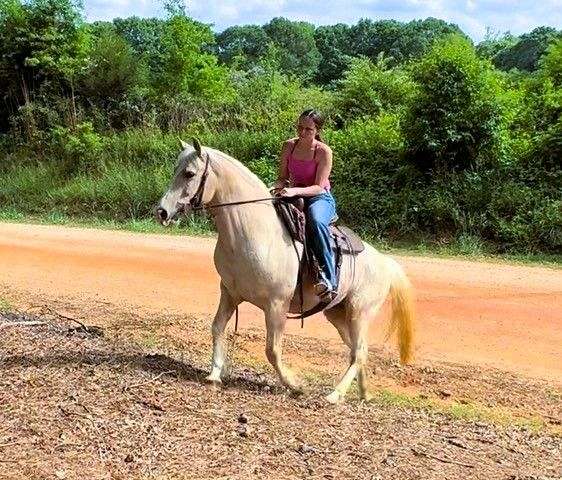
455 118
494 43
333 43
145 37
368 89
113 68
418 36
551 63
41 41
297 50
186 69
400 41
248 42
526 52
542 117
370 38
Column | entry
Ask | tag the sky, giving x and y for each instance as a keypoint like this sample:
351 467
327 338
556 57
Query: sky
474 17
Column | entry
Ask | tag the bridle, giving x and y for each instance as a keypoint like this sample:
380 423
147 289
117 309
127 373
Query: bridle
196 202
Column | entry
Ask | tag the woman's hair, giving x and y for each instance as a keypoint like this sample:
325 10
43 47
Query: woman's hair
316 118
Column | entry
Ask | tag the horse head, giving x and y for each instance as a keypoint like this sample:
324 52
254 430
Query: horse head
191 185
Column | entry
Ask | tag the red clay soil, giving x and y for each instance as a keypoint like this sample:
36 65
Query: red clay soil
487 314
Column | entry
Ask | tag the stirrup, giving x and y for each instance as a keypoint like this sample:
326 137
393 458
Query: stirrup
328 296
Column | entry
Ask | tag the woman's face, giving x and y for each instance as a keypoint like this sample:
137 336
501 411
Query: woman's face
306 128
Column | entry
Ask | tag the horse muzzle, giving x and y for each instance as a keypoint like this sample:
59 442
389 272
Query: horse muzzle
166 218
162 216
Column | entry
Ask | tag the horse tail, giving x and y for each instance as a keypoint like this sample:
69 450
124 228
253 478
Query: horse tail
402 319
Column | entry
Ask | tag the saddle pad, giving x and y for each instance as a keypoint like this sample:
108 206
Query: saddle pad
346 238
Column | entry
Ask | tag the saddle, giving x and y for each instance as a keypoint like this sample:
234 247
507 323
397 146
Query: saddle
343 240
291 212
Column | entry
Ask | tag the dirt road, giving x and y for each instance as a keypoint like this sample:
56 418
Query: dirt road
489 314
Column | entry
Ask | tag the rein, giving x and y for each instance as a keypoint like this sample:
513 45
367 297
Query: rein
218 205
197 201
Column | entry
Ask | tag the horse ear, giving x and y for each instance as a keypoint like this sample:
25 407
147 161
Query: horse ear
184 145
197 146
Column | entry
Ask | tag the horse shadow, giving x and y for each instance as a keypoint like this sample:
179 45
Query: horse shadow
160 365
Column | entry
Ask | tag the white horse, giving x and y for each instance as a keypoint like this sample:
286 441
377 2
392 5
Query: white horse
256 260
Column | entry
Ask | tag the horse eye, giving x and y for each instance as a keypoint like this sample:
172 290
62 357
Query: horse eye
189 174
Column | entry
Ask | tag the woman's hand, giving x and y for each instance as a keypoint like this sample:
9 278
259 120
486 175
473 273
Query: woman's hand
278 186
288 192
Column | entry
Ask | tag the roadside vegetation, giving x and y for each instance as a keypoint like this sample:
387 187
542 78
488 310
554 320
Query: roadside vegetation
439 144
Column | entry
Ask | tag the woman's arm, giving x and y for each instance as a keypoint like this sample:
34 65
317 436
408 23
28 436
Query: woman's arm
322 175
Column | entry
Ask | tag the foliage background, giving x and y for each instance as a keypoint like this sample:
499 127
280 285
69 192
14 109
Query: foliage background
435 139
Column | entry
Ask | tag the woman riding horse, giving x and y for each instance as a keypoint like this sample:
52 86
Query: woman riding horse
305 165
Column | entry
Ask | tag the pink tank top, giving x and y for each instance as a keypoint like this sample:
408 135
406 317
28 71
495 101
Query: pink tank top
303 172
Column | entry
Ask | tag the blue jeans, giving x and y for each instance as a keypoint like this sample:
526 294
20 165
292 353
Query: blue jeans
320 211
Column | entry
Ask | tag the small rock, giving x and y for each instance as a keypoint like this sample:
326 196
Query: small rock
242 418
445 393
61 474
428 369
128 458
243 430
304 448
389 460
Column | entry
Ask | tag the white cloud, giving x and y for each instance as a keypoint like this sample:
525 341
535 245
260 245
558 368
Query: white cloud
473 16
110 9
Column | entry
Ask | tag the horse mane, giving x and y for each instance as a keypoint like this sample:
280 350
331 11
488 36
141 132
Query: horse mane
242 169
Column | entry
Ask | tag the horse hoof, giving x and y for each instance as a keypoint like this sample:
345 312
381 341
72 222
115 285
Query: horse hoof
334 398
213 383
297 392
366 397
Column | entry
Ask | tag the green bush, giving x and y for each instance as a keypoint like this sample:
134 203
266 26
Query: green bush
369 177
368 88
77 148
524 220
455 120
269 100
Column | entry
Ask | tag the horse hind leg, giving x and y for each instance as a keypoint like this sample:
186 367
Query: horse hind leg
353 330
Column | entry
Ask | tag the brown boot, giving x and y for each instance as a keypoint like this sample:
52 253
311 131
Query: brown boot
325 294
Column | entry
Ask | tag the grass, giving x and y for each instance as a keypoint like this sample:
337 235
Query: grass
198 225
466 411
457 249
5 305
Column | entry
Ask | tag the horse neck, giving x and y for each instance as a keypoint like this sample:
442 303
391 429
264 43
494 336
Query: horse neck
249 222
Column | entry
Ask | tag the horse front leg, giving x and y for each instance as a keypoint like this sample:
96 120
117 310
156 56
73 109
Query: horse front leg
275 318
226 308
